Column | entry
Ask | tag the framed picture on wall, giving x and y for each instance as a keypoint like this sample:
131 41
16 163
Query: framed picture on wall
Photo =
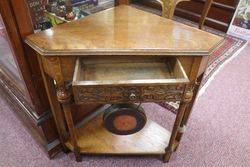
240 24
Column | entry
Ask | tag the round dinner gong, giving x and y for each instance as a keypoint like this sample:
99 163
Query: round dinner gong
124 119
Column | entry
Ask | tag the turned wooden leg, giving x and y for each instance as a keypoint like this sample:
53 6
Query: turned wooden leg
187 97
64 97
188 111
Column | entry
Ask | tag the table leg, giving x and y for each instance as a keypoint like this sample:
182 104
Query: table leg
188 111
64 96
172 142
55 106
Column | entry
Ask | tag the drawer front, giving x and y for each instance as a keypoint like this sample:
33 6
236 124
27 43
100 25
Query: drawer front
125 94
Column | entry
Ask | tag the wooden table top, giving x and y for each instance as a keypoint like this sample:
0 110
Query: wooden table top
123 30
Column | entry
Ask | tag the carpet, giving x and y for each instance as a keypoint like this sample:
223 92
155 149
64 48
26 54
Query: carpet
2 33
217 134
230 48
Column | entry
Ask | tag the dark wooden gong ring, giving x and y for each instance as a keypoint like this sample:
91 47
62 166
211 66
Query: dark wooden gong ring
124 119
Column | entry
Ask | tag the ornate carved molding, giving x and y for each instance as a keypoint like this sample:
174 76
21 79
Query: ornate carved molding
63 95
119 94
52 66
168 7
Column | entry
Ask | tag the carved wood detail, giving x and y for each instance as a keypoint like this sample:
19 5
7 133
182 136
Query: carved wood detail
68 64
119 94
52 66
168 8
59 58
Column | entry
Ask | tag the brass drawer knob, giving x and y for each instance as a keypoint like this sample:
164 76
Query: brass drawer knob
132 96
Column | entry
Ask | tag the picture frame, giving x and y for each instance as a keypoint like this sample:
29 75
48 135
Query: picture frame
240 24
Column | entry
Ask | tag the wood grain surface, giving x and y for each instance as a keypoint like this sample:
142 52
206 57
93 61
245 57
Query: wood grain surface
123 30
94 138
131 71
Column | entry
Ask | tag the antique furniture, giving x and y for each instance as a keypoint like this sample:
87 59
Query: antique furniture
219 16
167 6
168 9
21 82
106 58
204 13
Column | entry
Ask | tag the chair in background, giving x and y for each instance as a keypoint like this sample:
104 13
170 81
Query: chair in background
204 13
168 8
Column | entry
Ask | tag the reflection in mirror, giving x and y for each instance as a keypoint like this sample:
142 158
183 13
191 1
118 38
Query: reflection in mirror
8 65
47 13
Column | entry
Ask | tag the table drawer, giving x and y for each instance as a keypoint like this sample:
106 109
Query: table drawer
123 81
123 94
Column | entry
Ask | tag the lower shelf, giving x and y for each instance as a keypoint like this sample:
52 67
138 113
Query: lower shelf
93 138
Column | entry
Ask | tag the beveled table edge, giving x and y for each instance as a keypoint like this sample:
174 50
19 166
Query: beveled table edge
149 52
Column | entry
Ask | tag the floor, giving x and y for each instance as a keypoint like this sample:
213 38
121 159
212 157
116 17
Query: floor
218 133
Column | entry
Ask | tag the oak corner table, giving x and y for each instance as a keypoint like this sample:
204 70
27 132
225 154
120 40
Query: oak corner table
121 55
